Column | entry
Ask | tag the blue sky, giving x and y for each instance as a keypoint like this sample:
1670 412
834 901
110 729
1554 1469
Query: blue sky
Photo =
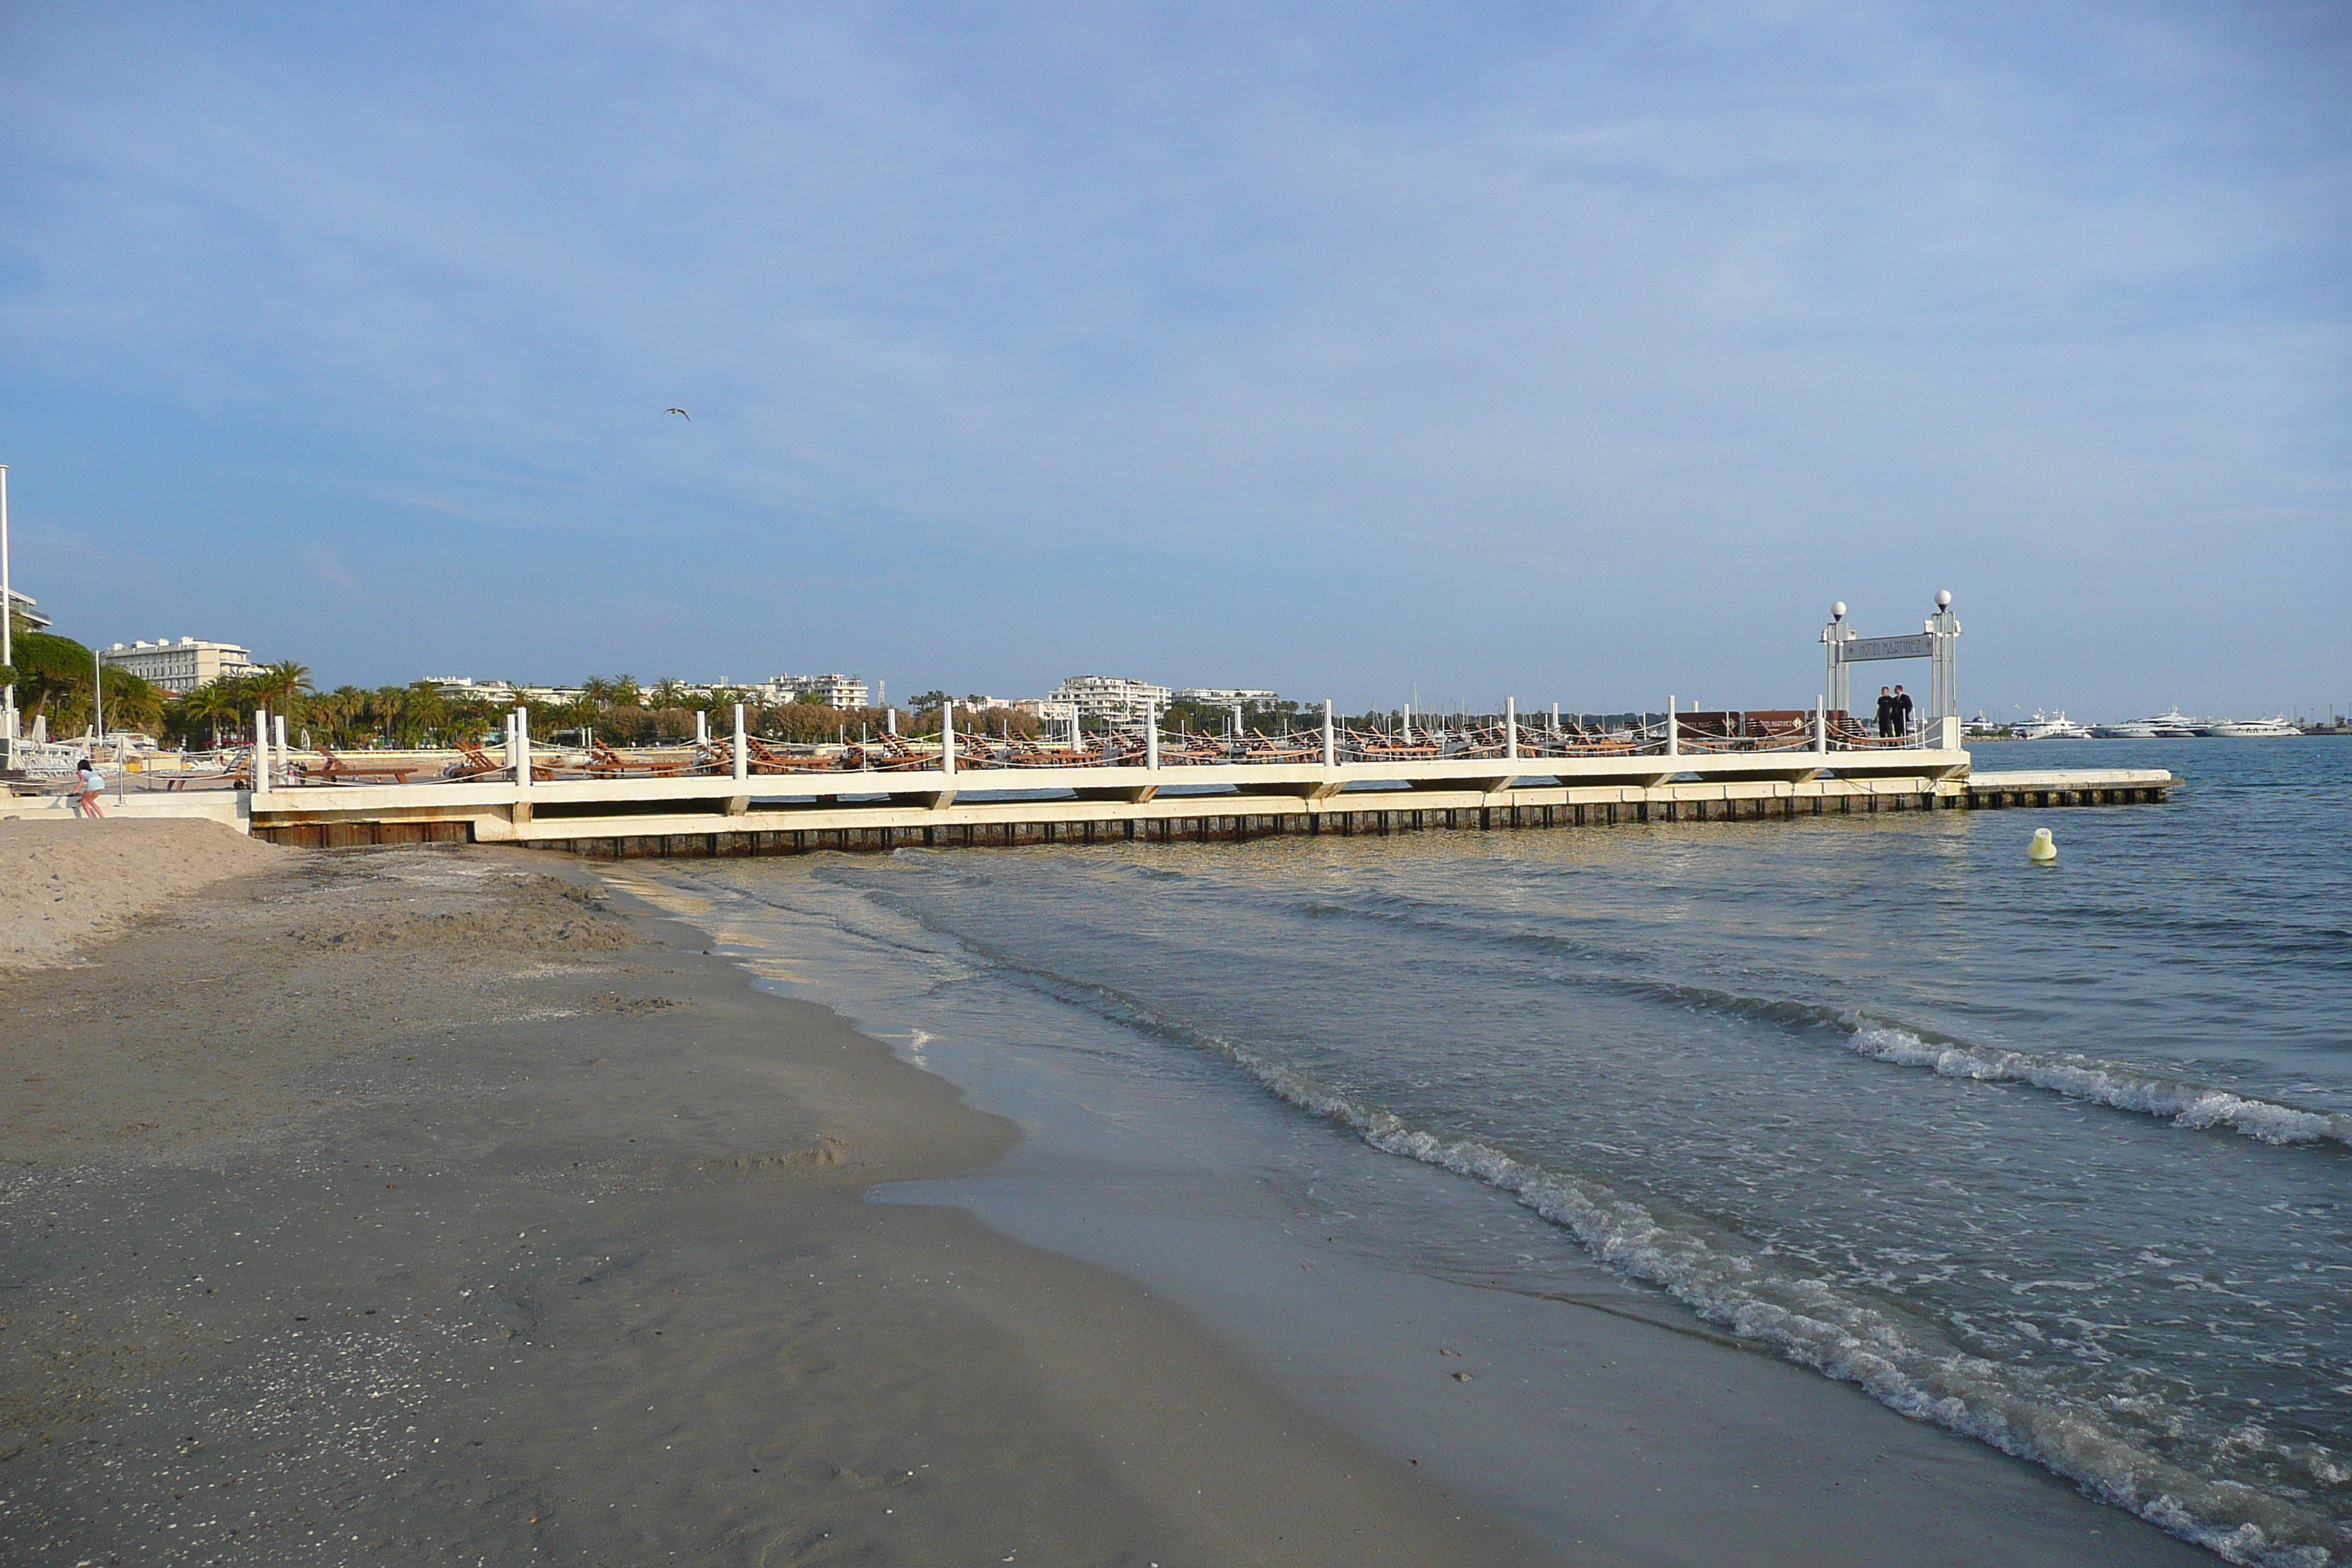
1578 353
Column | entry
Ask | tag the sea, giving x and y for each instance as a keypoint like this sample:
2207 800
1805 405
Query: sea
2058 1158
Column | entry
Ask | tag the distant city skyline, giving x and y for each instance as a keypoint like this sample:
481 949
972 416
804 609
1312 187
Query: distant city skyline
1569 356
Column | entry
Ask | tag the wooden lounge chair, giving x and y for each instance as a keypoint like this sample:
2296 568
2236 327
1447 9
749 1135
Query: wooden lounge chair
1257 747
475 764
603 763
336 771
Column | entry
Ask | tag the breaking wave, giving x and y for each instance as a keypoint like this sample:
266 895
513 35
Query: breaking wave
2120 1086
1813 1324
2106 1083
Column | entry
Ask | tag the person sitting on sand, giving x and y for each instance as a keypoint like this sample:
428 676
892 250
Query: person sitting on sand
93 781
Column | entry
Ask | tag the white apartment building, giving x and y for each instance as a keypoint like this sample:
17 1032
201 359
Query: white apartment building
825 691
1110 696
465 689
461 687
178 667
1226 696
23 605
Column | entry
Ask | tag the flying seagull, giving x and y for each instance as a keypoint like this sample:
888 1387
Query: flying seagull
682 412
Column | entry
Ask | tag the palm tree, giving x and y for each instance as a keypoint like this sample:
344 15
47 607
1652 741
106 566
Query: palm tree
468 718
281 686
339 712
131 703
210 703
579 712
421 711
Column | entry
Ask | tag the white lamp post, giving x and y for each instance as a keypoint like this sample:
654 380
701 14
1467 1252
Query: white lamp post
7 635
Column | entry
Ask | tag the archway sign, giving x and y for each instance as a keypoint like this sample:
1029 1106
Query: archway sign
1937 642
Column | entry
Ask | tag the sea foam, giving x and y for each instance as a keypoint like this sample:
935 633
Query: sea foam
2113 1084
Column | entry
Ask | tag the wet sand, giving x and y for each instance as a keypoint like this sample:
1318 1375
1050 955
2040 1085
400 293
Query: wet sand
416 1203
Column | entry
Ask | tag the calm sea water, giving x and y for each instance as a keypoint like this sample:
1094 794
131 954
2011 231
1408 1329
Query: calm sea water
2059 1158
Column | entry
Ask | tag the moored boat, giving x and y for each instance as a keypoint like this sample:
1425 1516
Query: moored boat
2171 724
2053 727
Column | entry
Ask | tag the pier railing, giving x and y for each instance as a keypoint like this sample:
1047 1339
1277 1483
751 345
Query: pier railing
743 794
1128 746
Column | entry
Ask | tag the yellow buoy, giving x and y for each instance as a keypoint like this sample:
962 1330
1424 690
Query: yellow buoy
2044 850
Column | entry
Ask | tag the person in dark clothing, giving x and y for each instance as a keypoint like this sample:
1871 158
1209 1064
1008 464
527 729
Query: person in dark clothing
1902 712
1885 713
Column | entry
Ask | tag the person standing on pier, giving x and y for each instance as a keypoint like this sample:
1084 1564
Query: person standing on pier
1902 712
1885 713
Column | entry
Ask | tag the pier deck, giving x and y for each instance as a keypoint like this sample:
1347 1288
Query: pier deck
786 814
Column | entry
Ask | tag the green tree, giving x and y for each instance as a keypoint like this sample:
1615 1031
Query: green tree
281 687
202 711
340 713
418 714
52 677
582 711
131 703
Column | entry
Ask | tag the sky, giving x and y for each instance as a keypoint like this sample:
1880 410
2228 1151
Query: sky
1576 353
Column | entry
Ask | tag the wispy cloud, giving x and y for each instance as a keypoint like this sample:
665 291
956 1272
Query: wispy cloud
1585 352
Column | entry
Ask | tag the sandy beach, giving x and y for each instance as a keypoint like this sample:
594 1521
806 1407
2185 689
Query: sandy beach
425 1206
457 1204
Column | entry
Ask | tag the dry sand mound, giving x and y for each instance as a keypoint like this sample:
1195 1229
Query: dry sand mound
65 883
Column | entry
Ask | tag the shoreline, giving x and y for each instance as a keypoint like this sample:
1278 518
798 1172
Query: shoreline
1606 1420
421 1201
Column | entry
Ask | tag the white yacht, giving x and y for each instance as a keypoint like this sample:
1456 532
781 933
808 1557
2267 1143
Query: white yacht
2171 724
2053 727
2256 729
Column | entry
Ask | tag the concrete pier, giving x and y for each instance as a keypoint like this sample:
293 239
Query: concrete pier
731 814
